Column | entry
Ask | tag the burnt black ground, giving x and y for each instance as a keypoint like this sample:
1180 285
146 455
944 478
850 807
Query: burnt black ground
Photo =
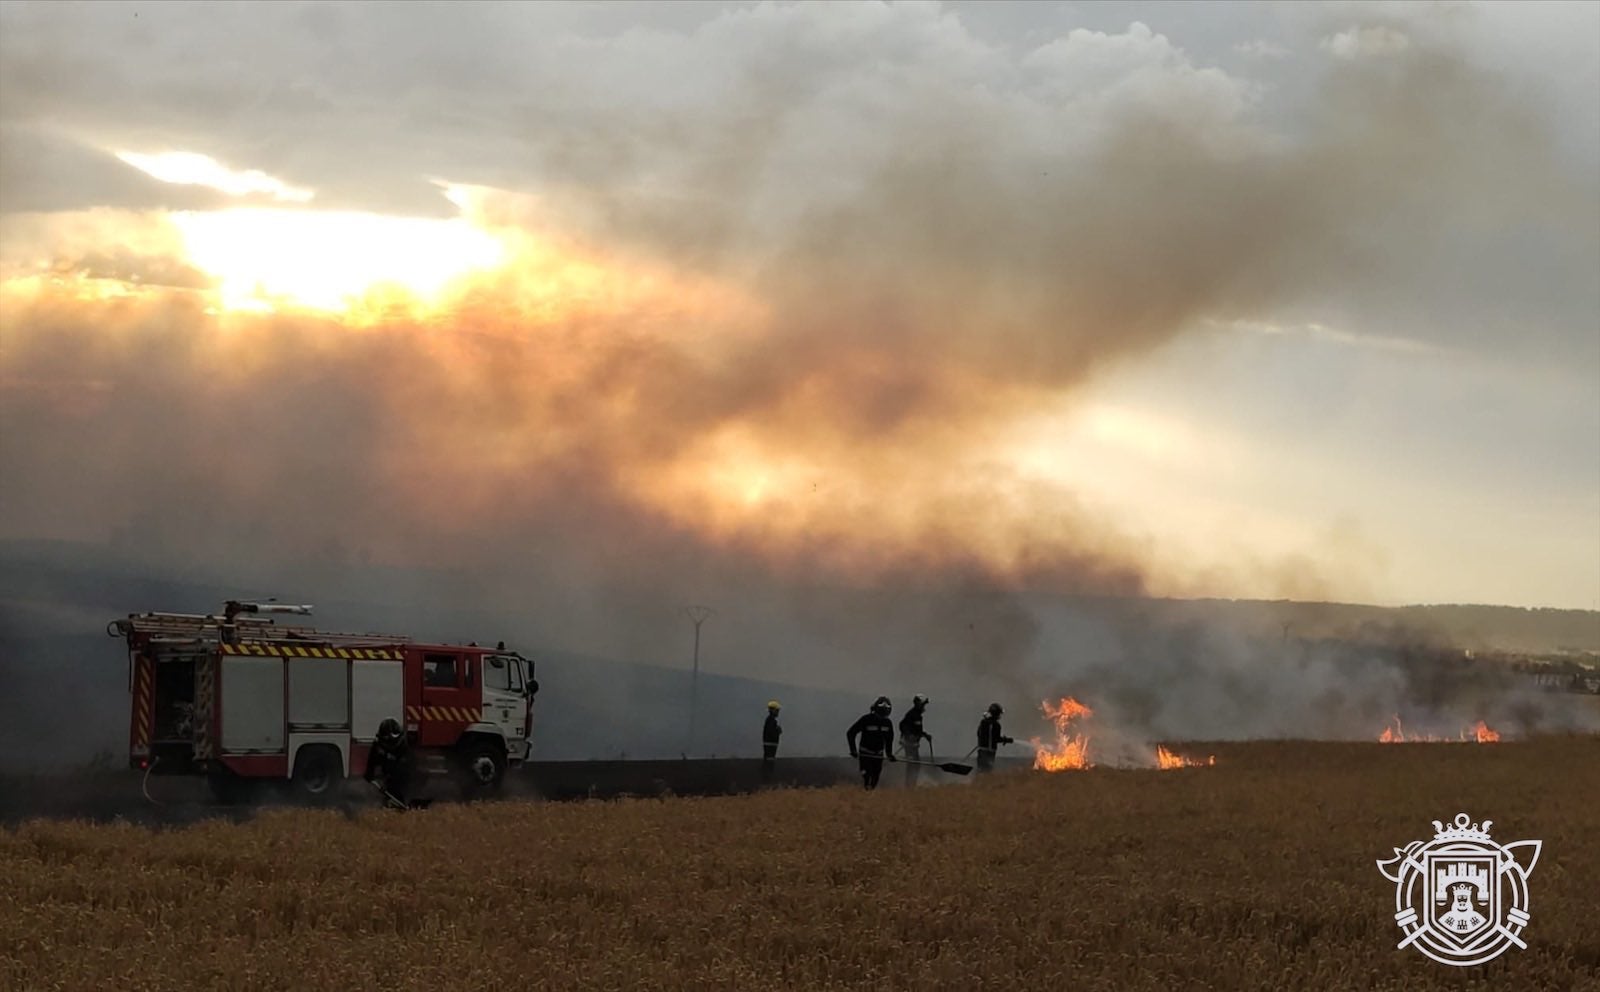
111 795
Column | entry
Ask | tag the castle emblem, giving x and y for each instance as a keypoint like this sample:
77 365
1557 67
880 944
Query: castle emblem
1461 898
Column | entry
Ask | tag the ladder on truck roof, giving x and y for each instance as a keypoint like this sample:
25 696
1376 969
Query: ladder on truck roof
208 628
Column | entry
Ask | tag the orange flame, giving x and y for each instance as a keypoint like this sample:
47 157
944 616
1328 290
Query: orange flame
1396 734
1070 750
1167 759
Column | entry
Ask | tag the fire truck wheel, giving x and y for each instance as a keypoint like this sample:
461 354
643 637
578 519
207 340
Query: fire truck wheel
316 771
483 766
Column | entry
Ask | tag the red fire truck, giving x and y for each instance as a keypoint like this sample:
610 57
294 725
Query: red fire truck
243 700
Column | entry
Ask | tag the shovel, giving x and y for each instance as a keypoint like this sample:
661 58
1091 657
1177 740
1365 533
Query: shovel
944 766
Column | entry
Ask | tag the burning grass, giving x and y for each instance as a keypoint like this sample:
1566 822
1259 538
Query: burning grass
1258 874
1070 750
1478 733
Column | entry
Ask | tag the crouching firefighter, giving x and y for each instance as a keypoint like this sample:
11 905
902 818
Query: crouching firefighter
990 737
876 731
389 762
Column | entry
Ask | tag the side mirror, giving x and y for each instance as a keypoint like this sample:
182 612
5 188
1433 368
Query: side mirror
533 688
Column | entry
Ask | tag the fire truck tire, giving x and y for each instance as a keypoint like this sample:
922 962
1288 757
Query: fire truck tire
317 772
483 767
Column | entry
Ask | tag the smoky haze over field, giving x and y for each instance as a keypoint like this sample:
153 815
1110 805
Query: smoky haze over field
1154 670
780 286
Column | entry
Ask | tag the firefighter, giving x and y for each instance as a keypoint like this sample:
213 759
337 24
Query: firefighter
770 732
990 737
912 735
390 759
876 731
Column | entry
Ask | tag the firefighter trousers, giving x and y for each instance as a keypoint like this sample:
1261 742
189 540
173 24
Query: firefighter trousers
871 770
913 753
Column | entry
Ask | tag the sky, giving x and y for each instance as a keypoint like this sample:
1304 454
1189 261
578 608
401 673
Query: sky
646 303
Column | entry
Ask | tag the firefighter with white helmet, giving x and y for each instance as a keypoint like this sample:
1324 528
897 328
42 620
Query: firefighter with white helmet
990 737
770 732
876 731
912 735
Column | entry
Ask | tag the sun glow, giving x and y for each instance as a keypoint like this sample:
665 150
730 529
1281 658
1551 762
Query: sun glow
335 261
194 169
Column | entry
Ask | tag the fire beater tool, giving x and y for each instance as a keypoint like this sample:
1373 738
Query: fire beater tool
394 802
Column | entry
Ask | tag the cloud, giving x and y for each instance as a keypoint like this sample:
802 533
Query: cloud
43 169
1367 41
1321 332
1260 48
194 169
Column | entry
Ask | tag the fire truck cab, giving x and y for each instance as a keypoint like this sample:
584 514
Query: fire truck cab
242 699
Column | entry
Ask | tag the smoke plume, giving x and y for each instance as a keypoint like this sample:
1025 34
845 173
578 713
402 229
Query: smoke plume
758 352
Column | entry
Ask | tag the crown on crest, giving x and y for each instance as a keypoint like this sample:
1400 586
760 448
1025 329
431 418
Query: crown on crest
1462 829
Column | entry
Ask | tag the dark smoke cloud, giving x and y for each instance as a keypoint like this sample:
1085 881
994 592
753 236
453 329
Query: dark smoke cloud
927 257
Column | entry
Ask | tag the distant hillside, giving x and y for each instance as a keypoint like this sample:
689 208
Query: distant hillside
1501 628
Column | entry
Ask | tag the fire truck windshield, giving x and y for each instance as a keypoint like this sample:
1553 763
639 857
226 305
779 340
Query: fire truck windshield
504 672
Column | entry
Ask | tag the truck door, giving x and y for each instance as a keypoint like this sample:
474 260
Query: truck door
504 702
450 697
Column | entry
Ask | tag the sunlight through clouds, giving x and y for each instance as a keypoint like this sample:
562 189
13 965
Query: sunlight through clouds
194 169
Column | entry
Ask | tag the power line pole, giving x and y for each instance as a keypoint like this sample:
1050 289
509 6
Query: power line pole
697 615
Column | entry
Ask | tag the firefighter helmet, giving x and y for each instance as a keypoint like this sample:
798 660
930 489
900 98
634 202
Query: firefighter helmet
995 709
772 704
882 705
389 731
919 700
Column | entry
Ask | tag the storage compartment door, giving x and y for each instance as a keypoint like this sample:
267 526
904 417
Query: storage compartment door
252 704
319 693
377 692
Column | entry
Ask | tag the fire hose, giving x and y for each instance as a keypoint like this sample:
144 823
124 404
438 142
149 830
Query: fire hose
144 784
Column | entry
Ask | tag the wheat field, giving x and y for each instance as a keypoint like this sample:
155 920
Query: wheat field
1258 873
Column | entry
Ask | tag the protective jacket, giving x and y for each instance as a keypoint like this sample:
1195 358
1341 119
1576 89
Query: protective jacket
770 732
876 733
989 735
911 725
